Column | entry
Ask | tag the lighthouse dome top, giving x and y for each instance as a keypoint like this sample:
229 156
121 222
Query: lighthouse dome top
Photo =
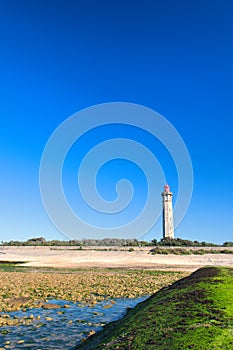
166 188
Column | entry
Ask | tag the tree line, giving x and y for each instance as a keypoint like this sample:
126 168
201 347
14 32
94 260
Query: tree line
120 242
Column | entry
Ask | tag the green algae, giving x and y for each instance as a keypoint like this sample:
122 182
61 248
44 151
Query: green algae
195 312
25 288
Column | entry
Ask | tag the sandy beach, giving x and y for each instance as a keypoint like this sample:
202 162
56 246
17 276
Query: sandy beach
102 257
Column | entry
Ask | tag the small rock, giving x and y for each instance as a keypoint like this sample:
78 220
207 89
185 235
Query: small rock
92 332
49 318
51 306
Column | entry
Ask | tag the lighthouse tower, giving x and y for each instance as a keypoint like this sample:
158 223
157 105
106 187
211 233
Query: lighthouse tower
168 226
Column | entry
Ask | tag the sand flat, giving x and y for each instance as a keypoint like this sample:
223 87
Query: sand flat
94 257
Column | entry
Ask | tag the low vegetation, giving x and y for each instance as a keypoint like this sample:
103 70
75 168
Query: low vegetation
107 242
195 312
119 242
188 251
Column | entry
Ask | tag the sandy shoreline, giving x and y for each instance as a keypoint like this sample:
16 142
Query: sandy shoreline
97 257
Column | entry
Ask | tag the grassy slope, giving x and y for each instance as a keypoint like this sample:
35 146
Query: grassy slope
193 313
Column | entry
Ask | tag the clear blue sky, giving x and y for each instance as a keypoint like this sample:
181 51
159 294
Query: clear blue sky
58 57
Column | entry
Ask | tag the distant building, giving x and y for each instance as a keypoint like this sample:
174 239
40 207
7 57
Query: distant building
168 226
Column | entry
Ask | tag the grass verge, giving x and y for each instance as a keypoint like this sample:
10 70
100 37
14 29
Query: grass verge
195 312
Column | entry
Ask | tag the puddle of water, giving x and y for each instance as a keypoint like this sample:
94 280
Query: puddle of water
63 328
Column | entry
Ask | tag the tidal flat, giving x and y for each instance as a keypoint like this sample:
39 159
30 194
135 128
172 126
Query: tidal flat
36 298
31 287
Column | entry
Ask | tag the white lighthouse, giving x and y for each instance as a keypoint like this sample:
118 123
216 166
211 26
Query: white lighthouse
168 226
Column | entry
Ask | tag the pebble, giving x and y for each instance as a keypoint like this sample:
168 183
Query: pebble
92 332
51 306
49 318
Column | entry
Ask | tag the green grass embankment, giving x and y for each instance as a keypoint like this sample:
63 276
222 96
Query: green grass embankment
195 312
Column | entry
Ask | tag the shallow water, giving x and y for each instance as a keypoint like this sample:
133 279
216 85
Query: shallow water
67 327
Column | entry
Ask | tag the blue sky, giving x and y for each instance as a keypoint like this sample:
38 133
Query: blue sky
58 57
